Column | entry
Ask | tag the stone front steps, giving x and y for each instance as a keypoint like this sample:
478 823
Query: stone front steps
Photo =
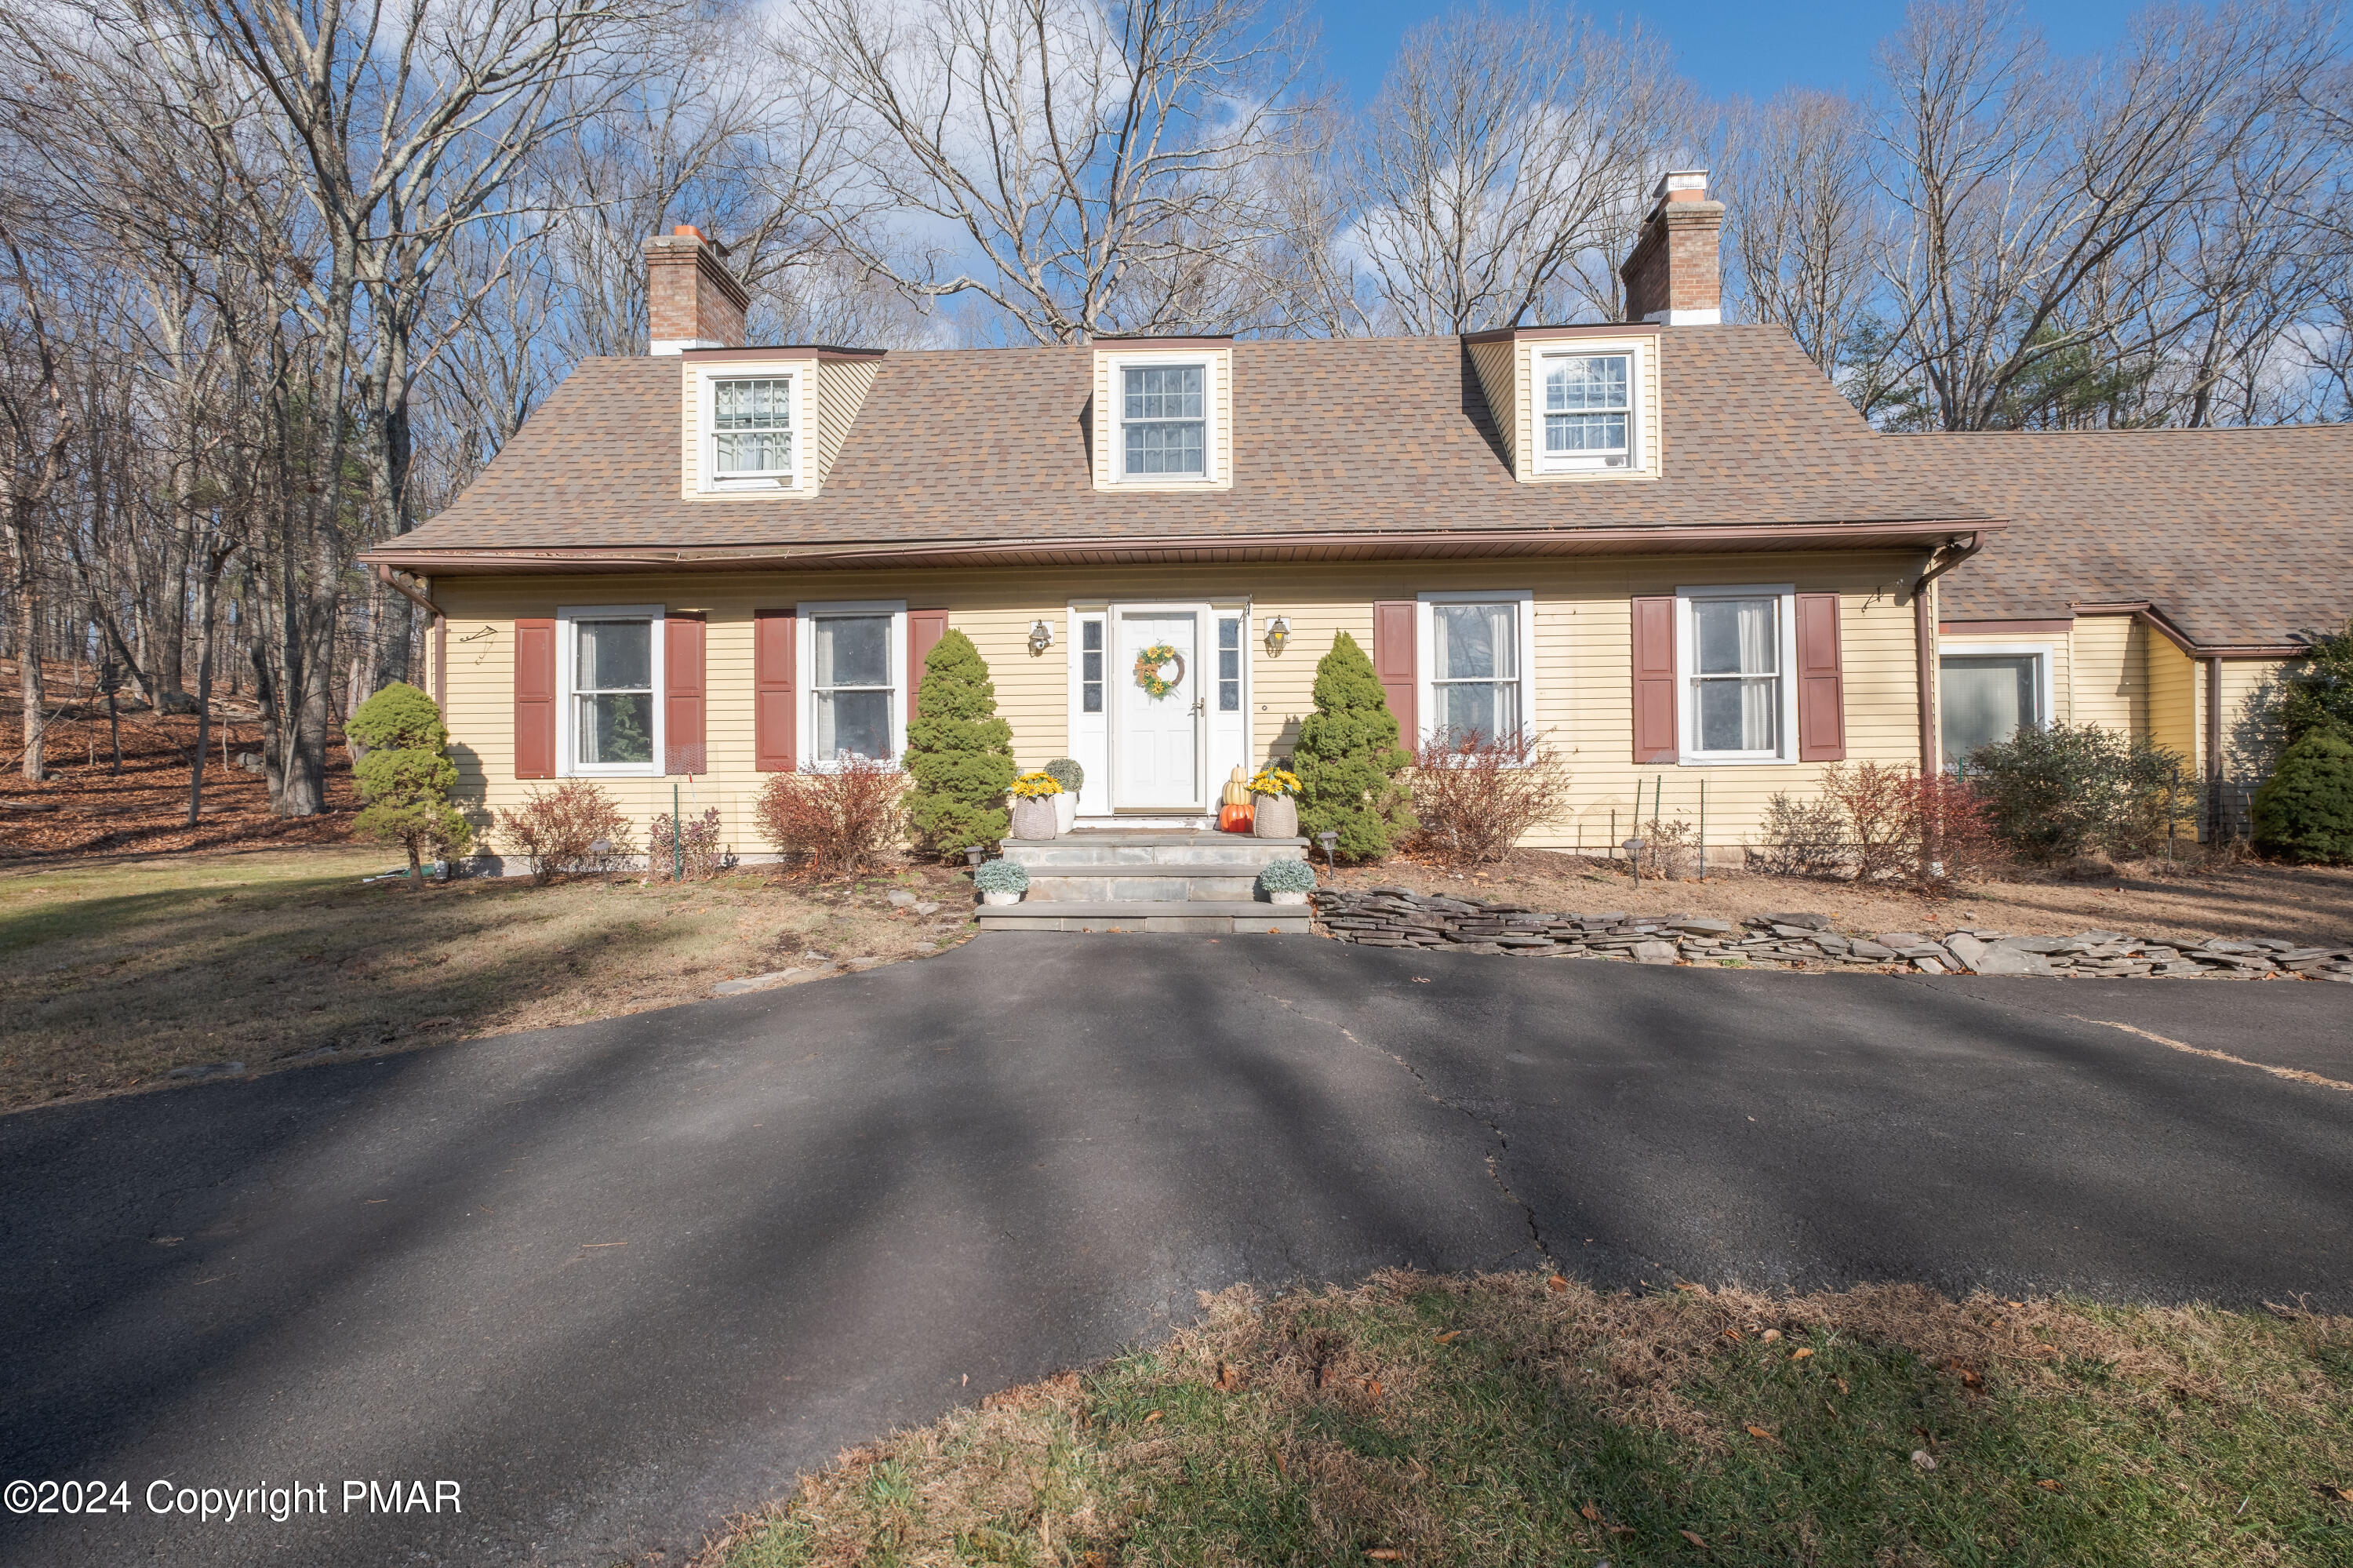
1148 879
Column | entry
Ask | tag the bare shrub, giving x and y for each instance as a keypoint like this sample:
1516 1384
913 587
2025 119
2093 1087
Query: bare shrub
1873 801
1950 827
1802 838
1668 850
1476 796
557 830
695 847
844 820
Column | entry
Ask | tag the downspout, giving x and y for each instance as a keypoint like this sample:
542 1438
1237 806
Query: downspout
2214 750
391 579
1924 642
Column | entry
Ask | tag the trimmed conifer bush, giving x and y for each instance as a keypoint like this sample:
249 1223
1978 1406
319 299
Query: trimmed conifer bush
959 751
1349 757
406 776
2304 810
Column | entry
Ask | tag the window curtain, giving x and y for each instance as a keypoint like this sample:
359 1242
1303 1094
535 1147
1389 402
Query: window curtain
1758 699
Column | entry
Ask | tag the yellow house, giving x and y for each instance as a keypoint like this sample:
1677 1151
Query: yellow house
2154 581
1668 546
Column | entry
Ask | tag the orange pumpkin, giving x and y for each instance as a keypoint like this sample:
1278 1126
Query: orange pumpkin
1234 819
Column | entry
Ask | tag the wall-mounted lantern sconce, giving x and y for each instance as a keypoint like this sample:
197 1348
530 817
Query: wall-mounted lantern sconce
1278 632
1041 637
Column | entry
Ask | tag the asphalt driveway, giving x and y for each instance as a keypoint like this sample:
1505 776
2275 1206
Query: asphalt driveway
616 1280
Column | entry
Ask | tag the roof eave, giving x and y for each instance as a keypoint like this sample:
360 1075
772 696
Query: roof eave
1425 544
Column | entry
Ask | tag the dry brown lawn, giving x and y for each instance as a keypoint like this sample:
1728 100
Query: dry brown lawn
113 974
1526 1419
2312 904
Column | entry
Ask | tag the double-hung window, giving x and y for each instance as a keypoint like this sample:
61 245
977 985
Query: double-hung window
612 675
1474 650
752 428
1588 408
854 694
1164 422
1736 648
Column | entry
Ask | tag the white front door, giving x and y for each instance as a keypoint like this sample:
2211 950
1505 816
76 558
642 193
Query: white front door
1155 743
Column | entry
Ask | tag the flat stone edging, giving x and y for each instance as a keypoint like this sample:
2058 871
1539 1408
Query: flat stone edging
1399 917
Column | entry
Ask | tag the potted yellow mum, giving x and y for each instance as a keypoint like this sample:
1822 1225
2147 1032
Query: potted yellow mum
1274 804
1034 816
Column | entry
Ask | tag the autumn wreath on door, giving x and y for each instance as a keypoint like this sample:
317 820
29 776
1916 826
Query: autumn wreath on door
1148 666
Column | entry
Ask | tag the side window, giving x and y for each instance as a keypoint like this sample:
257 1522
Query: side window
1091 666
613 693
1475 671
1230 664
851 692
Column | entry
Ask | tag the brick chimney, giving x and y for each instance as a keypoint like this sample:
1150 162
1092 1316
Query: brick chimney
691 301
1674 277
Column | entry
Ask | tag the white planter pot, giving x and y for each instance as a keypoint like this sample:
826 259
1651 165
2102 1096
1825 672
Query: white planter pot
1000 899
1286 898
1274 816
1066 811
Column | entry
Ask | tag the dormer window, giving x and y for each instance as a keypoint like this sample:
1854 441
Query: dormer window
1587 408
752 429
1163 421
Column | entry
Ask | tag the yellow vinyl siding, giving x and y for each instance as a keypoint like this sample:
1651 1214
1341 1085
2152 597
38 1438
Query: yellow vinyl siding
2109 680
1582 667
2174 704
842 388
1496 362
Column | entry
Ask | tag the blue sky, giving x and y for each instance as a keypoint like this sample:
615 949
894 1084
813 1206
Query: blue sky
1756 46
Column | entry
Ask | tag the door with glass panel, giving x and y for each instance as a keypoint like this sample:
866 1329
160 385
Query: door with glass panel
851 687
1156 731
1737 676
1987 697
613 693
1474 683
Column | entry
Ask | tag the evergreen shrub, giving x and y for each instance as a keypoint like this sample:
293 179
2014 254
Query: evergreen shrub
959 752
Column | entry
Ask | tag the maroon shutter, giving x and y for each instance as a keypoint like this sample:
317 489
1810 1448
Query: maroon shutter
1822 686
683 748
1393 662
924 629
534 699
1654 679
772 717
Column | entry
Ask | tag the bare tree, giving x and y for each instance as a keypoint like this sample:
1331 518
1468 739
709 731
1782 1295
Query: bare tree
1795 178
1505 148
2039 209
1084 166
37 432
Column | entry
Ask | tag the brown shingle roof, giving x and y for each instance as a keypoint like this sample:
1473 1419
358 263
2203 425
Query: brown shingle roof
1355 438
2239 537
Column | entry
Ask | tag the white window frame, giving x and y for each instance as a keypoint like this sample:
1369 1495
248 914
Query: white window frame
2044 656
707 378
1090 736
1116 424
804 618
1581 462
567 650
1687 675
1425 652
